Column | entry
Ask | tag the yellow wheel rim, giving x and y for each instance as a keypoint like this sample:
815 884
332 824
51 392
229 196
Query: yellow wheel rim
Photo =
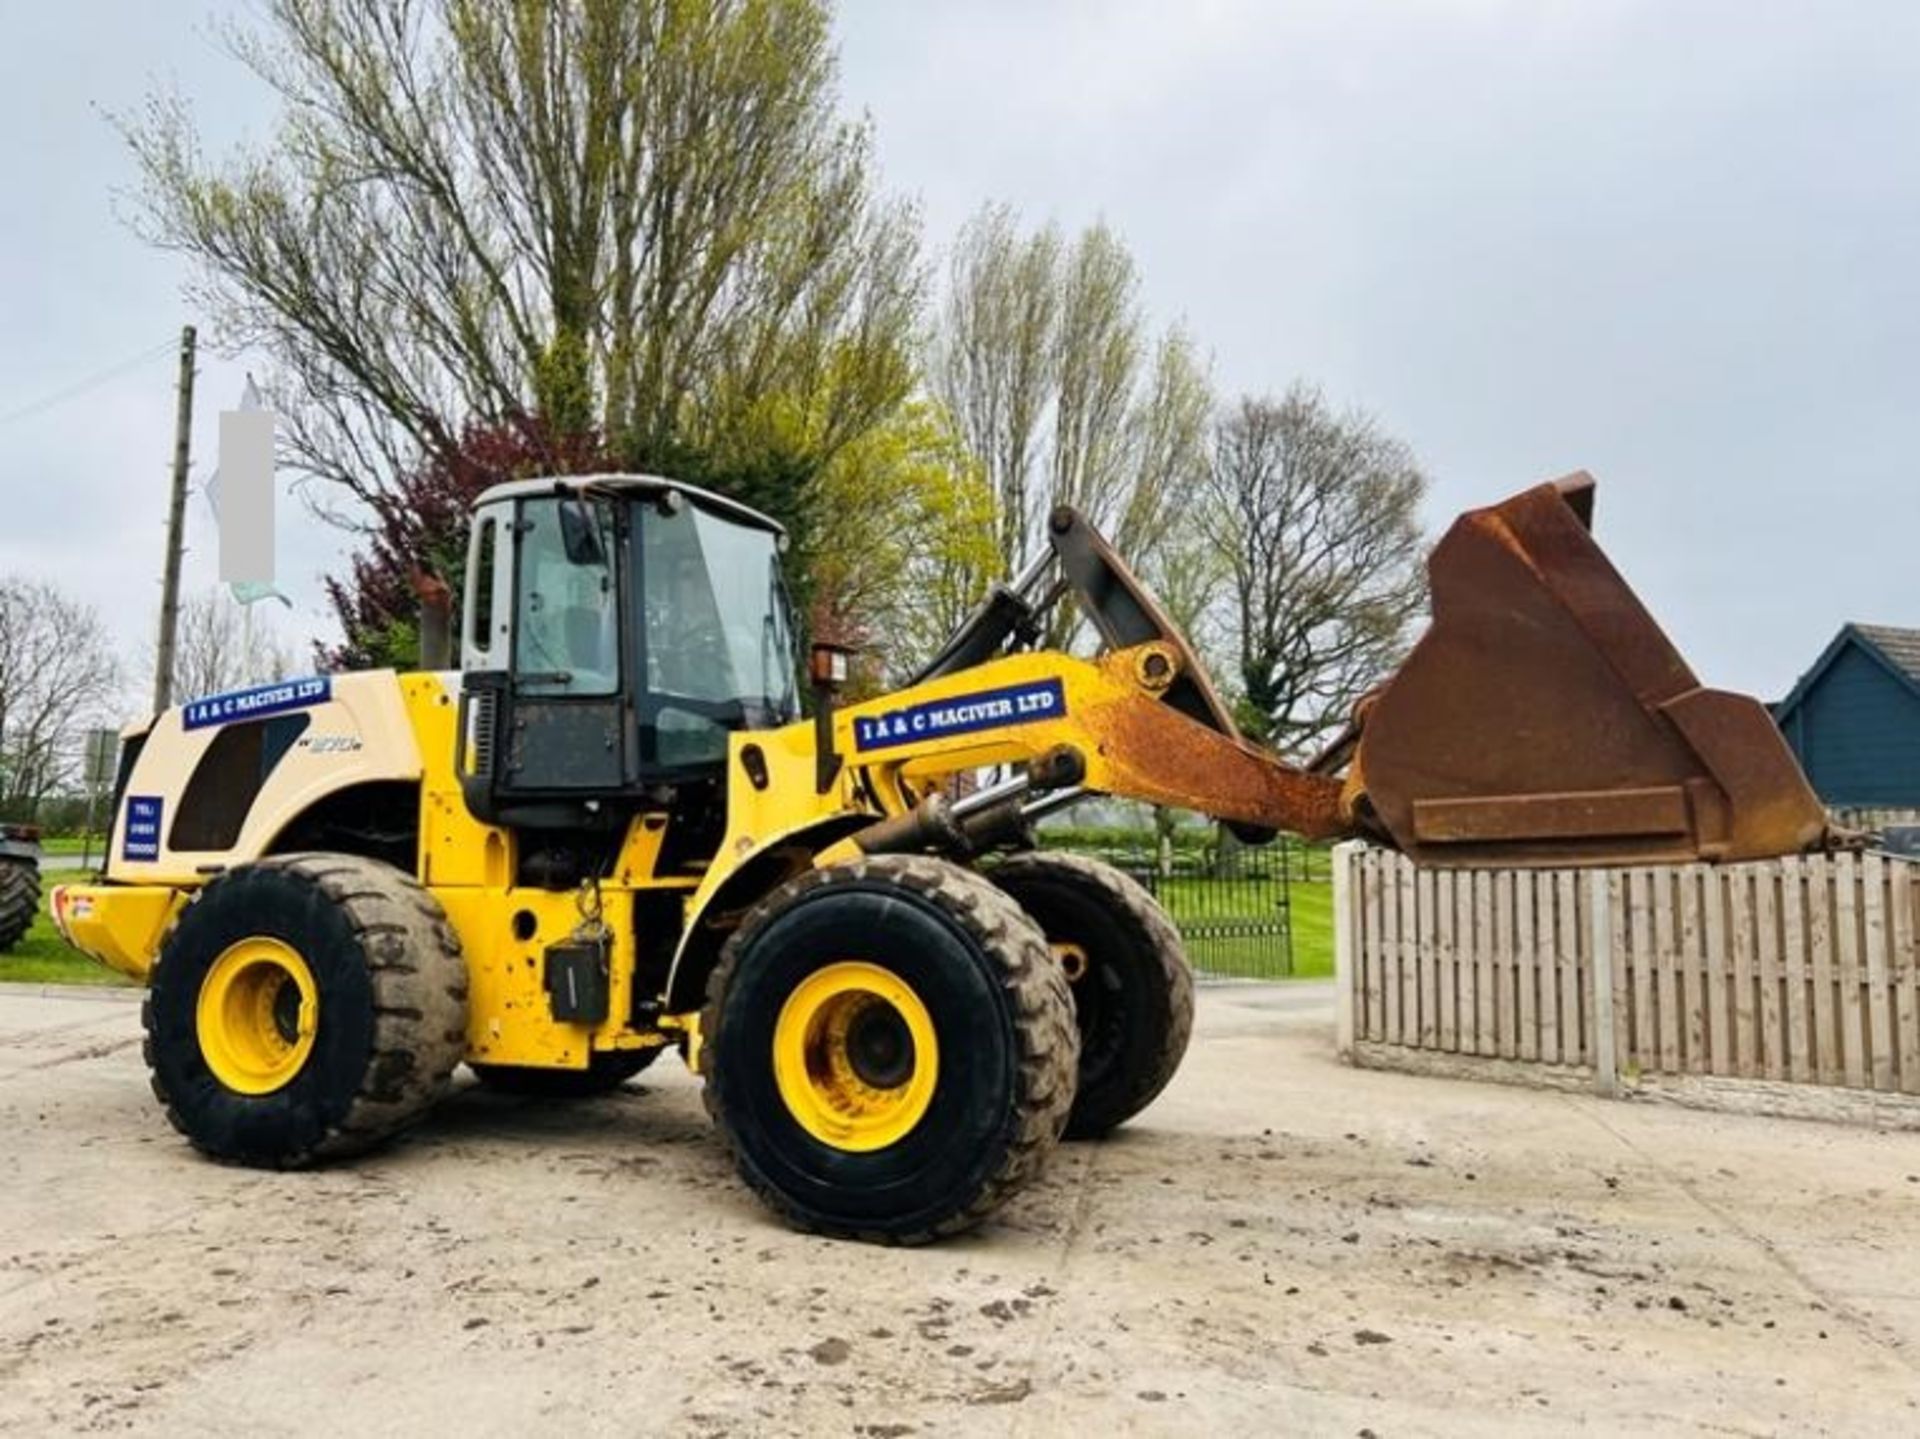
854 1056
256 1016
1073 959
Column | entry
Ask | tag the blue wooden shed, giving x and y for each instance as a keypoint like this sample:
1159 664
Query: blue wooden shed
1854 719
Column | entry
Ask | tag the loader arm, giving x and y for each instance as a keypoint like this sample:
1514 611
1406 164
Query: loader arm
1102 725
1542 719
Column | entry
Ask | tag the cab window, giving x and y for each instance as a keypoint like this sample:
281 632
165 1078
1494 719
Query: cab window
480 622
566 620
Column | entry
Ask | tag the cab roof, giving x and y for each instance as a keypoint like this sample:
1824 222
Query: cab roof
637 485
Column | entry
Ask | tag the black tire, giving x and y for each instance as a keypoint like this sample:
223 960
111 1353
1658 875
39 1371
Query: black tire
391 1013
1133 1003
19 900
999 1013
606 1071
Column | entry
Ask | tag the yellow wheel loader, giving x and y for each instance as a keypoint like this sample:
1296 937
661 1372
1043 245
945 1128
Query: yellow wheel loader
612 831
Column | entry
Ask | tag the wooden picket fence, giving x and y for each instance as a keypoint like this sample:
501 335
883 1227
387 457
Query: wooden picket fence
1797 971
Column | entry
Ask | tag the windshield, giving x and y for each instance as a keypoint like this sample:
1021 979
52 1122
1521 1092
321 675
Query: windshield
567 620
718 649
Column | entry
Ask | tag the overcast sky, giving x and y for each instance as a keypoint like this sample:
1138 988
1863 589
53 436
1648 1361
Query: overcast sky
1676 245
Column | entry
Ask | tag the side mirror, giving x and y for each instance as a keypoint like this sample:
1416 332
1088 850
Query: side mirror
579 534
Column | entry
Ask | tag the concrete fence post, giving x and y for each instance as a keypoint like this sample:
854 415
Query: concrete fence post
1606 1066
1345 962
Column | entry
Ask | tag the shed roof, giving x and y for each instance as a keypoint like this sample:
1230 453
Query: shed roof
1902 647
1896 649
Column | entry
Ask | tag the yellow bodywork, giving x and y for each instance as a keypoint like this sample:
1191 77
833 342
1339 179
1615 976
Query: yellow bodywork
362 732
778 820
121 925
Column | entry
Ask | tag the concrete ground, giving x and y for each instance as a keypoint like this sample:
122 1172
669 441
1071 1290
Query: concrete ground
1281 1243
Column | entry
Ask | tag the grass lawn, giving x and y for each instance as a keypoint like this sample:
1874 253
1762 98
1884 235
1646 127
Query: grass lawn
1313 929
45 958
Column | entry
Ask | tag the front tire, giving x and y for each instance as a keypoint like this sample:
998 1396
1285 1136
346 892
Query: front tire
304 1007
1132 989
889 1049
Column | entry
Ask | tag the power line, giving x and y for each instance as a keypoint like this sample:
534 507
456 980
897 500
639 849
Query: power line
80 387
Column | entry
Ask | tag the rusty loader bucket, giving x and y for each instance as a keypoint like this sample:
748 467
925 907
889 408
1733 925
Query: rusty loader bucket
1544 719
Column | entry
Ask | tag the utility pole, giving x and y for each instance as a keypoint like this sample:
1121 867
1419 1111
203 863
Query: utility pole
176 524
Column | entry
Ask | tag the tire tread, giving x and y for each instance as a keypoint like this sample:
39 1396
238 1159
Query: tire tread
1141 911
1034 985
419 982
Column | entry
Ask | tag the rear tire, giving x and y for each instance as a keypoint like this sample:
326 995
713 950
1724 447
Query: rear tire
889 1049
305 1007
19 900
606 1071
1134 1001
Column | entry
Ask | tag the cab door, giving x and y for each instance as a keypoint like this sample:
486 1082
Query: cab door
547 721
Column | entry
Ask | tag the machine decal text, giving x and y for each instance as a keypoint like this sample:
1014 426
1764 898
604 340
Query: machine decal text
258 702
962 714
330 743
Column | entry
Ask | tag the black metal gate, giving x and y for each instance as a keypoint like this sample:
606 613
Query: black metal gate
1232 903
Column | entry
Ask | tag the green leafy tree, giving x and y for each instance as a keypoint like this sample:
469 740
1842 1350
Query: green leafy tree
907 540
626 219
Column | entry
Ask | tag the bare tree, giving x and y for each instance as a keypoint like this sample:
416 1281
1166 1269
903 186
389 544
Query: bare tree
995 362
57 677
223 646
1316 516
643 218
1046 363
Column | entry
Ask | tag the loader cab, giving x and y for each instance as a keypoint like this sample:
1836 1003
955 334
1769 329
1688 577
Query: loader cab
614 631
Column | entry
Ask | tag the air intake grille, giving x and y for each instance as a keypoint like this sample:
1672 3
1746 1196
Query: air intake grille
486 706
